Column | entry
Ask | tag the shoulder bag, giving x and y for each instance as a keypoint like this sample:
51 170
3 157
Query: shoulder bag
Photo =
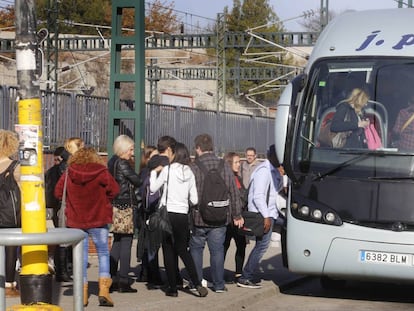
122 214
253 221
327 138
159 220
61 212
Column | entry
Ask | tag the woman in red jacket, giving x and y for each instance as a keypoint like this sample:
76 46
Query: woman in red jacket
89 191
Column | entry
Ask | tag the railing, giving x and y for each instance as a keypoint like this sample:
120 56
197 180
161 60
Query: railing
66 115
15 237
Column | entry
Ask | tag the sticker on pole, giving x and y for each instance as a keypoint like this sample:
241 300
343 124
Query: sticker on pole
28 143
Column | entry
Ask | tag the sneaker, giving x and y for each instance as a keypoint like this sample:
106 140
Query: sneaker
248 284
190 287
202 291
222 290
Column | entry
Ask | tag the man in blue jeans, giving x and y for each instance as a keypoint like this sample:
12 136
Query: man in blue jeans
265 184
213 235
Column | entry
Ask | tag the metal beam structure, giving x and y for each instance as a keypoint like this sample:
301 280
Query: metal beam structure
52 51
221 63
127 85
178 41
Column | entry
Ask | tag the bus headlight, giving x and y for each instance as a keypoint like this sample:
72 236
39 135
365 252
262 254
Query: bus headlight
304 210
317 214
330 217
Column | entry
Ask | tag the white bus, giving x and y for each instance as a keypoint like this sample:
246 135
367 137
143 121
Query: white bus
350 211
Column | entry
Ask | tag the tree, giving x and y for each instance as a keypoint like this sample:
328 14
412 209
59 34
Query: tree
160 17
248 14
7 21
313 23
7 17
91 12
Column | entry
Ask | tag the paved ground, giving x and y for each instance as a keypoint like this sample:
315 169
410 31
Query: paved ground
271 272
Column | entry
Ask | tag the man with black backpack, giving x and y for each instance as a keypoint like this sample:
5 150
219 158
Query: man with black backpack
219 204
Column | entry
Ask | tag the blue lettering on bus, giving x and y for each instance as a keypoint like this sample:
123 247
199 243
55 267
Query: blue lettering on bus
369 39
362 255
406 40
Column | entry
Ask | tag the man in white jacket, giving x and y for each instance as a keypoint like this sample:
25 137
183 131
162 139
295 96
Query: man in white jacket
265 184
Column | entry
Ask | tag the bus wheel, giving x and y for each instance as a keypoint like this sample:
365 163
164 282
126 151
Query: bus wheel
329 283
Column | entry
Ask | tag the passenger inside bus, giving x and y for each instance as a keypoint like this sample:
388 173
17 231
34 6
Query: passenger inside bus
403 130
350 121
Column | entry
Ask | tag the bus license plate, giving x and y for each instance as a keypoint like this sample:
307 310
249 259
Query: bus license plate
385 258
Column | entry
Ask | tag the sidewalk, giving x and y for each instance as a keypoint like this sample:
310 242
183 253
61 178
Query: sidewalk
273 276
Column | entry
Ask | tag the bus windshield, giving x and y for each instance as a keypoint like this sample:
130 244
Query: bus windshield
389 85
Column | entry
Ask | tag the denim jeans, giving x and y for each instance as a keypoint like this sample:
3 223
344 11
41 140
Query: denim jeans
261 246
100 239
215 241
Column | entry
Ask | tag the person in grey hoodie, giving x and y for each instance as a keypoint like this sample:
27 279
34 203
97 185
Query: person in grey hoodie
178 194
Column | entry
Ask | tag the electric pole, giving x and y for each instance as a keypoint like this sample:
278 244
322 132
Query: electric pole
35 280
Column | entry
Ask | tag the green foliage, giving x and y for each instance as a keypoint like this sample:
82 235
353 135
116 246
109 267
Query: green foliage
92 12
245 15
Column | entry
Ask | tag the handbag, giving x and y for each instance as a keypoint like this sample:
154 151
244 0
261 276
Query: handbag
330 139
122 214
61 212
159 220
122 218
372 137
253 224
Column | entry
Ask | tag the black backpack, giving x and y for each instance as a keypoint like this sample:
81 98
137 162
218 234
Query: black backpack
10 200
214 202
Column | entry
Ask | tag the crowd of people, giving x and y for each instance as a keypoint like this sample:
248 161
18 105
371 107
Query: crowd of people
94 192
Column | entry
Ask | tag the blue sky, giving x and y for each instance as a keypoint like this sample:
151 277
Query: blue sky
204 10
6 3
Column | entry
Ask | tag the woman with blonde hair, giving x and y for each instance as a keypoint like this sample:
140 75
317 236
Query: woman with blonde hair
63 253
73 144
9 145
89 191
349 117
128 181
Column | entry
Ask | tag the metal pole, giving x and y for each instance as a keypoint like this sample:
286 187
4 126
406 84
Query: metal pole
35 280
2 278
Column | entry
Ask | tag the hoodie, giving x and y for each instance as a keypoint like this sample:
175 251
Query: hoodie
181 189
89 191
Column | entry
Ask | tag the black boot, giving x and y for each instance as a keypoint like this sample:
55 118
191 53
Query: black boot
62 274
125 287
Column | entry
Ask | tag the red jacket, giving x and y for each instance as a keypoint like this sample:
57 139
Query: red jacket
89 191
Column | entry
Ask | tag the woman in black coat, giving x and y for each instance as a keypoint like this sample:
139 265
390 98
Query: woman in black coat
128 180
349 117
